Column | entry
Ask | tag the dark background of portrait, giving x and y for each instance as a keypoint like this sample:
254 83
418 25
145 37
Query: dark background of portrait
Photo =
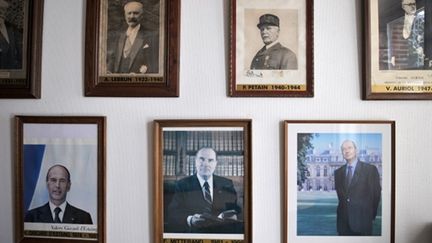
15 14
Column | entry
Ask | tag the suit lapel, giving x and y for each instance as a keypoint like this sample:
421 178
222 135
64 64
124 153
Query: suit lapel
120 46
46 215
67 216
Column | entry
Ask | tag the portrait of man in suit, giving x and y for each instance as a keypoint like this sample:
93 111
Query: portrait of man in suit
359 193
57 209
11 41
273 55
136 49
204 202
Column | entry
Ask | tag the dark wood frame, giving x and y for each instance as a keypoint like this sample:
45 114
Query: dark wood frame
33 58
309 92
367 93
170 86
158 169
101 176
285 166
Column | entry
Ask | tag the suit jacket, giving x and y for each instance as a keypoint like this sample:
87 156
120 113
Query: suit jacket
276 57
189 200
358 202
11 53
144 52
72 215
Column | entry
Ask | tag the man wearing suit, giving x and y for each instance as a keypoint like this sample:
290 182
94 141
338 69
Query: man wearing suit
58 210
137 50
204 202
10 41
273 55
359 193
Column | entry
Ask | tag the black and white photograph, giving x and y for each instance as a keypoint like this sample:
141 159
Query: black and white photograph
20 48
271 48
133 48
205 190
398 40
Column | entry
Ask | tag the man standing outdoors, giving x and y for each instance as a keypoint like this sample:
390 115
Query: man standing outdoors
273 55
57 209
137 49
204 202
359 192
10 41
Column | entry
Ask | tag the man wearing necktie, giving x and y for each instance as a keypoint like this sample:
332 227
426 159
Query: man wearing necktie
10 41
137 49
204 202
359 192
57 209
273 55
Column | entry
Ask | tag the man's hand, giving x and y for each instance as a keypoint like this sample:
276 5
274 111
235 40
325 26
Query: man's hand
197 221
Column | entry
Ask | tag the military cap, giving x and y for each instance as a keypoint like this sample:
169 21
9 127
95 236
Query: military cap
268 19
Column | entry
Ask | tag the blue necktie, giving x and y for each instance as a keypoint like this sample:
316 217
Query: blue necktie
349 175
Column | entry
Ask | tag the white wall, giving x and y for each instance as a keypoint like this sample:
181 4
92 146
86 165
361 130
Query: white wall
203 82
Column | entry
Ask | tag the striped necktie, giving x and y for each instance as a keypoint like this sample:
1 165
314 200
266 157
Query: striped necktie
207 194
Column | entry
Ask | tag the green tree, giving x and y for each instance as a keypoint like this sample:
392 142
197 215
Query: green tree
304 143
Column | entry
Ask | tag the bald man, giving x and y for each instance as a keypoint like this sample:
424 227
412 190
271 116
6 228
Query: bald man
10 41
204 202
359 192
57 209
137 50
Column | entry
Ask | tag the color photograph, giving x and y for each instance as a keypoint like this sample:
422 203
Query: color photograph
60 178
339 181
322 156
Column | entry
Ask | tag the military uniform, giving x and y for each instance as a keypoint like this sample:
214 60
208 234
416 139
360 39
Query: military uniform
276 57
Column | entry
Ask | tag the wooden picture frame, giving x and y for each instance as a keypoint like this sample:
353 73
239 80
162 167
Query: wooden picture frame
60 162
321 202
271 48
397 63
21 50
221 150
151 66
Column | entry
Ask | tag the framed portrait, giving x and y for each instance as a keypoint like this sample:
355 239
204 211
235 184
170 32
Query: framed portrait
132 48
60 179
398 47
203 181
339 182
20 48
271 48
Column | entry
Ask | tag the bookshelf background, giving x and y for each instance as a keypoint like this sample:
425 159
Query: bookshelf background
180 148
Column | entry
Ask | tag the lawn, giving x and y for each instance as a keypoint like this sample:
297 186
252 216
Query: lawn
316 214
